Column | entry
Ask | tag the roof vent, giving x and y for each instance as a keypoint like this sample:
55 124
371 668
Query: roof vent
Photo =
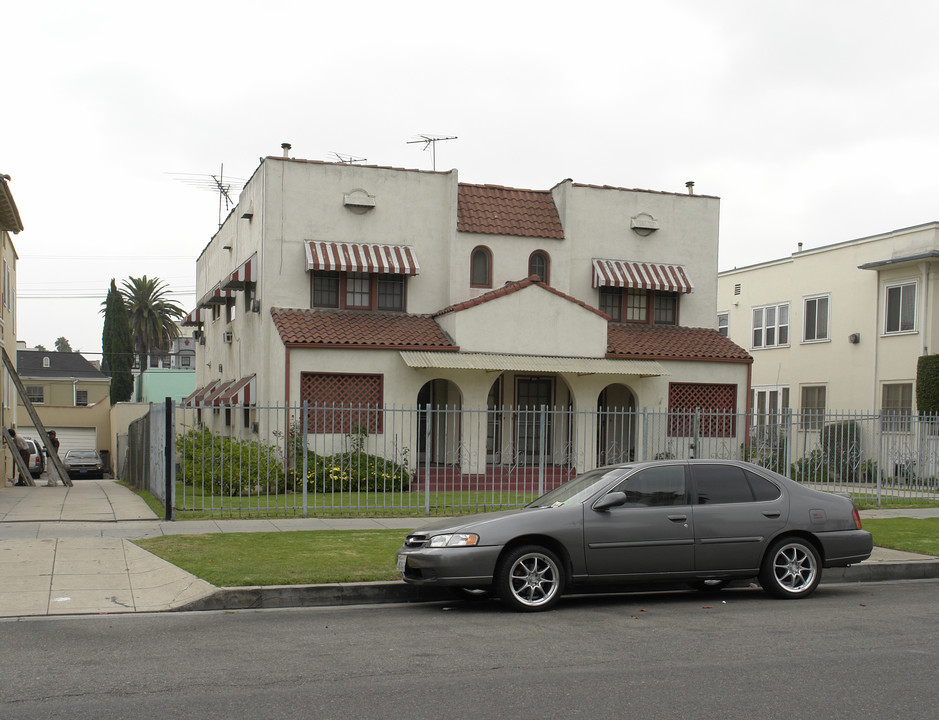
286 148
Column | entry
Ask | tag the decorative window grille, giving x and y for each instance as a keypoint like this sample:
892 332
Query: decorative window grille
717 402
342 403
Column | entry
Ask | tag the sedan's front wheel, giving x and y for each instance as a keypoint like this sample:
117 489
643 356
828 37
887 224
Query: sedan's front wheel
791 568
530 578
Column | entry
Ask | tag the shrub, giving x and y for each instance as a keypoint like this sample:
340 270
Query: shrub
841 445
810 469
227 465
927 384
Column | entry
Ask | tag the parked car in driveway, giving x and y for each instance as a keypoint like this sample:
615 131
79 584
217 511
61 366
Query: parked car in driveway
37 461
83 464
701 522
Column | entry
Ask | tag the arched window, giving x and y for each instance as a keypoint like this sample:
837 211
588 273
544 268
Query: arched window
539 264
46 362
481 267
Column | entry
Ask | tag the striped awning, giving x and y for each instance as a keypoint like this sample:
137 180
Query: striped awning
240 392
362 257
216 296
494 362
198 397
640 275
194 319
244 274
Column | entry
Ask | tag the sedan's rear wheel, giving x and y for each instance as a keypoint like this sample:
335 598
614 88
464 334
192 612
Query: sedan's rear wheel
791 568
530 578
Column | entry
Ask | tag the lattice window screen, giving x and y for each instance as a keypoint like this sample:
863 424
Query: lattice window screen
714 406
342 403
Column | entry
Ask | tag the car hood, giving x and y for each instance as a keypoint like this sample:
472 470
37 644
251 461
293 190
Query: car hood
466 523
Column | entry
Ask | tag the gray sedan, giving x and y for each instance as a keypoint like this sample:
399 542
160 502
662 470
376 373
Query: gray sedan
701 522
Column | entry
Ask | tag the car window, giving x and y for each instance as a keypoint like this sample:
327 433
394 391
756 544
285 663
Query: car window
655 486
763 489
721 484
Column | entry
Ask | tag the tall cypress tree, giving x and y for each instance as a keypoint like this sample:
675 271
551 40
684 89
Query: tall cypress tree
117 346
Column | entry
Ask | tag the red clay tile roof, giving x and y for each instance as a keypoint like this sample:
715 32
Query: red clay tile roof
510 288
353 328
666 342
495 210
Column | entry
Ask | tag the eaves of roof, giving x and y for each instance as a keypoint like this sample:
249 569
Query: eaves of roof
513 287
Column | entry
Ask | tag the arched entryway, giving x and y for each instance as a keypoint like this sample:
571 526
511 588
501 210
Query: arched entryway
439 404
616 421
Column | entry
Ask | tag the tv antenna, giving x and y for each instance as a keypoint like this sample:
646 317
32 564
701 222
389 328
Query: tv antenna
430 141
225 187
348 159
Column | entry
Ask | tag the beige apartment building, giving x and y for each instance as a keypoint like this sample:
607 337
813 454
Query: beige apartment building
839 327
10 224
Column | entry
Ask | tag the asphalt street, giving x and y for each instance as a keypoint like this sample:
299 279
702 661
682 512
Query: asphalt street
858 651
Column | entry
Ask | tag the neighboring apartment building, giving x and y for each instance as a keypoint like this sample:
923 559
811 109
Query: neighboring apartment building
839 327
336 283
71 397
10 223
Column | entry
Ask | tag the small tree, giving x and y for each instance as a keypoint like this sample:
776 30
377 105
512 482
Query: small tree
927 385
117 346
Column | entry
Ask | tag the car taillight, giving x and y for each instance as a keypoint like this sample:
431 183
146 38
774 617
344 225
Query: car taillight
857 519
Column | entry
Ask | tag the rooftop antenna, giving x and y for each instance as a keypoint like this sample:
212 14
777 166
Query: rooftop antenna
218 184
430 141
348 159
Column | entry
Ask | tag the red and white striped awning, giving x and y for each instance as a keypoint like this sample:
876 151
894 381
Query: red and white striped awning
216 296
241 392
640 275
198 397
245 273
361 257
193 319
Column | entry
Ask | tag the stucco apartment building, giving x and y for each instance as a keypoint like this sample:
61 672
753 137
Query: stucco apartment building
839 327
364 285
10 224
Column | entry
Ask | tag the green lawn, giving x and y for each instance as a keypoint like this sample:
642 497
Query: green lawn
919 535
326 556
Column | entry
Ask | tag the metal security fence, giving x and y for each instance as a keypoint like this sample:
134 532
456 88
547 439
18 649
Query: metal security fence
321 460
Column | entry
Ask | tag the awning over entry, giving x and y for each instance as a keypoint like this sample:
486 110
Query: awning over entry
244 274
494 362
640 275
362 257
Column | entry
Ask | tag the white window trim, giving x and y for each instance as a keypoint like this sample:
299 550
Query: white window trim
805 300
902 283
788 325
725 314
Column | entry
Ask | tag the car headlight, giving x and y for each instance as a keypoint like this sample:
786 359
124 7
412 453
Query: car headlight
454 540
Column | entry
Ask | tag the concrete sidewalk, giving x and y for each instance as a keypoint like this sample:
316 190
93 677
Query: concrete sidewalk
68 551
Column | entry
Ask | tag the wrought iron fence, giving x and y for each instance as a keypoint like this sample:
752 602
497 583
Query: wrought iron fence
298 461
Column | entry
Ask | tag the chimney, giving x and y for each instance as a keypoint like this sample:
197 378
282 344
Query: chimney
286 149
800 247
690 186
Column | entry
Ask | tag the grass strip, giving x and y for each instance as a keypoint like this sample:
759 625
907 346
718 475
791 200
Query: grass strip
918 535
283 558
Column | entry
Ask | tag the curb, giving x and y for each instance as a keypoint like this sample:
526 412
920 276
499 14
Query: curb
374 593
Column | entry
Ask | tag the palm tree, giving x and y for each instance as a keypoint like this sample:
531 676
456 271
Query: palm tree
152 315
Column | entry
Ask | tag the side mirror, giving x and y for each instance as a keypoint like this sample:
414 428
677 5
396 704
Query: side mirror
613 499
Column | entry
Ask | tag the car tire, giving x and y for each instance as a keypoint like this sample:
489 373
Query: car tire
530 578
472 594
791 568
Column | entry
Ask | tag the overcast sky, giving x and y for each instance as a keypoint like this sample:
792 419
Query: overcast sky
814 122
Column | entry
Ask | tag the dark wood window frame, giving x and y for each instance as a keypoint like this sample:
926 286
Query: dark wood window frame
546 275
341 300
487 253
623 309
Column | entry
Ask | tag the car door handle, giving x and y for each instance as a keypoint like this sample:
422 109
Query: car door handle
678 518
771 513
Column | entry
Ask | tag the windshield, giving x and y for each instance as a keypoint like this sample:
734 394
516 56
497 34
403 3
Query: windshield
82 455
578 489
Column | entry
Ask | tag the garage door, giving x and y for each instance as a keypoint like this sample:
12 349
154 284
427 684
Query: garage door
75 439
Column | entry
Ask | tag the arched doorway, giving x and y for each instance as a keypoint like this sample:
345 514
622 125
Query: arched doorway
439 404
616 421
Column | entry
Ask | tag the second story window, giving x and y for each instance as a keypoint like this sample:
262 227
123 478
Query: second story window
35 393
361 291
900 308
771 326
81 398
816 319
653 307
538 264
723 323
481 267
